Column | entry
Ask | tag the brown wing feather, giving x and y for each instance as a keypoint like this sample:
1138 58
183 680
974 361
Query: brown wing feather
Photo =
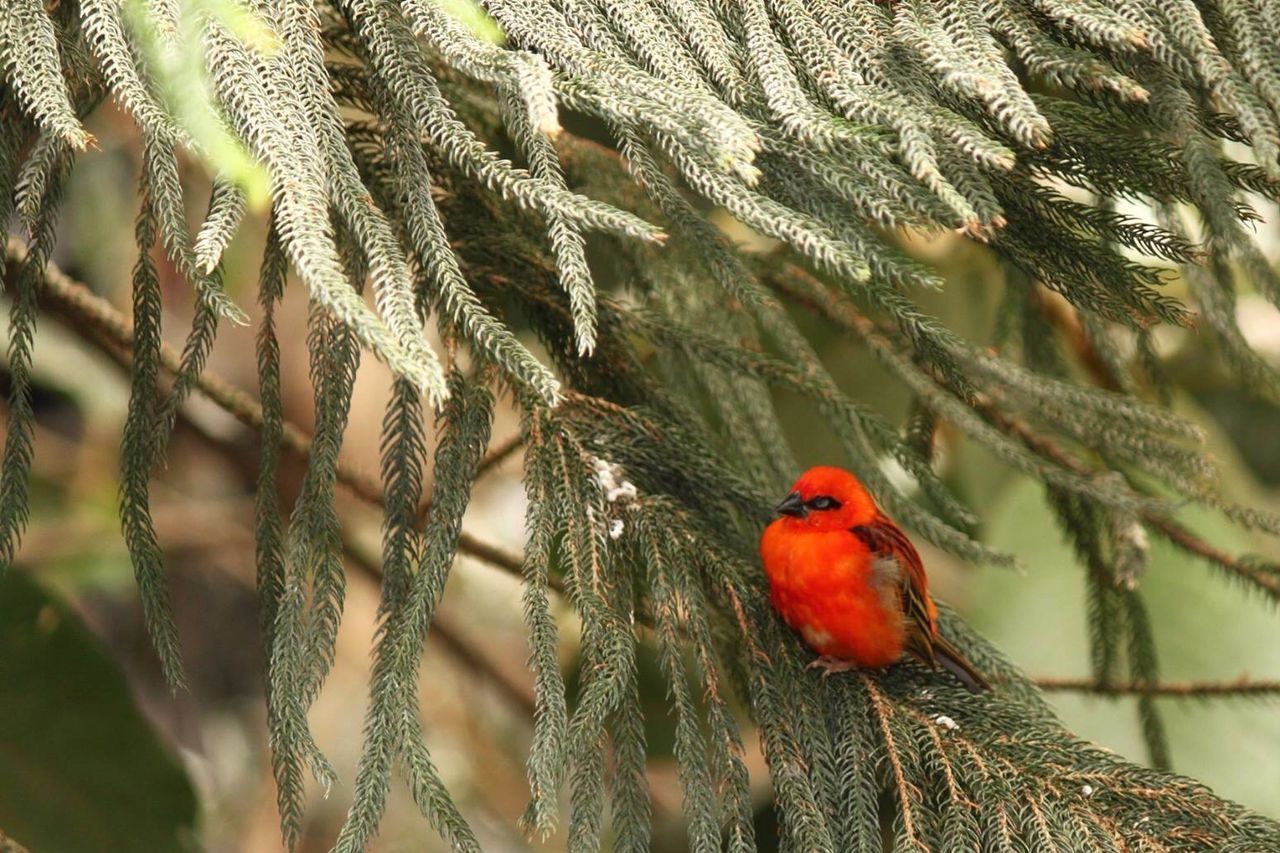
886 540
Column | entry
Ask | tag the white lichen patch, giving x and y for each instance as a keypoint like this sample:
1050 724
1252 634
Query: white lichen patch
614 486
946 722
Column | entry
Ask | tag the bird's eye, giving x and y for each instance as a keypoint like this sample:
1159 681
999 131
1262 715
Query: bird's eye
823 502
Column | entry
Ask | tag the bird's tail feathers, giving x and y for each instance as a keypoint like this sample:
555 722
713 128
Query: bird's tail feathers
954 662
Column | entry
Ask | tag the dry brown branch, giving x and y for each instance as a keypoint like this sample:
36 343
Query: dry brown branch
882 711
1241 687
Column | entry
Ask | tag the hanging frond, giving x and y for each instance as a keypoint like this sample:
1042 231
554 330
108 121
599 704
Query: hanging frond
416 570
15 468
142 448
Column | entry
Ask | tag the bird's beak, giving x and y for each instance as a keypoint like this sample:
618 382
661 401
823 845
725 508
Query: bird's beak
792 505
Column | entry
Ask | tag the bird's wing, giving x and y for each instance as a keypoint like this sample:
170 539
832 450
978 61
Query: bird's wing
889 545
890 548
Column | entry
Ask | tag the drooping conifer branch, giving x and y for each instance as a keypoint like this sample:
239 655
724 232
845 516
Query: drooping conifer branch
831 126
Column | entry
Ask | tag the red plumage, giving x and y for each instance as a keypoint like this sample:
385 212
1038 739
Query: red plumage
849 581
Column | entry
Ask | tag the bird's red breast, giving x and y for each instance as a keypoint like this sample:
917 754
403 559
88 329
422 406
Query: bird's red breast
823 583
849 581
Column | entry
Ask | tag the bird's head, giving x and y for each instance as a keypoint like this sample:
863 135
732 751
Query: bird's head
827 498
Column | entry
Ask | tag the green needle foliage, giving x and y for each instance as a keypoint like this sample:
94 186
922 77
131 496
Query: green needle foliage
415 148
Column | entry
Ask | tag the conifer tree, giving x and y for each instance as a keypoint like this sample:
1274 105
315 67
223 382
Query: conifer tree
415 148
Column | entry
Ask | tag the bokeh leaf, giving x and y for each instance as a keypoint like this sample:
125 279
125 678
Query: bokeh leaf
82 769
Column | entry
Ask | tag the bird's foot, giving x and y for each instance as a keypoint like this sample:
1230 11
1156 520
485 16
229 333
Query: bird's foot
829 665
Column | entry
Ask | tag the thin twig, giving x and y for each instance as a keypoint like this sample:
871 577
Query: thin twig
1192 544
1172 530
1177 689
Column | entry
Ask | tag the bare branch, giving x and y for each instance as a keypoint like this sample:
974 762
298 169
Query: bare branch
1241 687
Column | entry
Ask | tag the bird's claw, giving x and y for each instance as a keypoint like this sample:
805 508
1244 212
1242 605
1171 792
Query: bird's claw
829 666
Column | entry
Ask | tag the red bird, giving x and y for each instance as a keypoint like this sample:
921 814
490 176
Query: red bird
850 582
